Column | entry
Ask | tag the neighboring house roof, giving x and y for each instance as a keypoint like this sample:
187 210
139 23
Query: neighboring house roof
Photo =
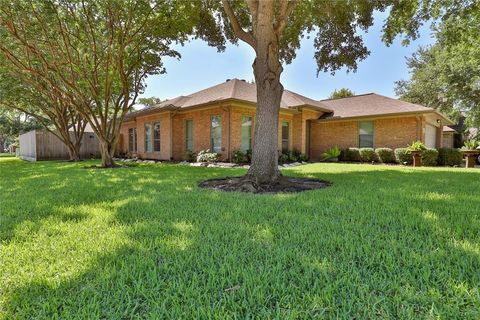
232 89
448 129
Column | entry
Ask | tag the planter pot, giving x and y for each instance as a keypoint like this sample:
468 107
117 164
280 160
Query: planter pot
470 157
417 158
332 160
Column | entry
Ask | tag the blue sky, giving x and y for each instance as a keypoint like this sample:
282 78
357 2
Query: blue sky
202 66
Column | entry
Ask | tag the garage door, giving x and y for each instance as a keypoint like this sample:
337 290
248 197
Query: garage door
431 136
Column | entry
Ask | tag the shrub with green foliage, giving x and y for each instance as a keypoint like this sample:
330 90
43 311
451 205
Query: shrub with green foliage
238 157
248 155
368 154
190 156
331 153
430 157
417 146
403 156
385 155
449 157
207 156
470 145
353 154
283 158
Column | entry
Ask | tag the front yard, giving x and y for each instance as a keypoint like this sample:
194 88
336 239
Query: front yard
146 242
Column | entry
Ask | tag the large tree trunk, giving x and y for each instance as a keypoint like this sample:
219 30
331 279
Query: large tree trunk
73 151
267 70
107 151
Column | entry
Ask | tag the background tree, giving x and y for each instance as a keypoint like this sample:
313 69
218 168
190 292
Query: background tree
12 124
341 93
98 52
150 101
274 29
446 75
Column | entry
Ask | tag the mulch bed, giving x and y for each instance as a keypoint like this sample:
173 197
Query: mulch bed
284 185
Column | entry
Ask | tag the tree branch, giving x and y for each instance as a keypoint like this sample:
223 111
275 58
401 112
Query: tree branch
241 34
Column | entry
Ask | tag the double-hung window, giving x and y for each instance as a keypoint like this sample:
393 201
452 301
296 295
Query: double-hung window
246 133
365 134
216 134
156 136
285 135
132 140
148 138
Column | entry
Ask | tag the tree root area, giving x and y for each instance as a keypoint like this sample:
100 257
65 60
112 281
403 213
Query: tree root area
283 185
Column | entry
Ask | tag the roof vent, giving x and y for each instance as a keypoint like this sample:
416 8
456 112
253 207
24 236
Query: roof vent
243 80
228 80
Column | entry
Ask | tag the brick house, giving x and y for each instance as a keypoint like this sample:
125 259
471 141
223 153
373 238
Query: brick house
221 118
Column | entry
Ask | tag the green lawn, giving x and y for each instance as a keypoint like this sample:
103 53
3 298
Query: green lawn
145 242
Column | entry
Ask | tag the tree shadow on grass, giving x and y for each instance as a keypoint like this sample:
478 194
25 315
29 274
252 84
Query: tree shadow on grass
375 245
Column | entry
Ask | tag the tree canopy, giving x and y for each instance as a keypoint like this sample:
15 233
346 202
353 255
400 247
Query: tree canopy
341 93
446 75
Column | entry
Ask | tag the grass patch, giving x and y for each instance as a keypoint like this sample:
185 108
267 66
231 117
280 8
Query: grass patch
146 242
7 155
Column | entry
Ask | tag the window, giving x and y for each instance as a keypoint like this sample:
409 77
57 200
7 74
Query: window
246 143
285 135
216 134
132 139
189 135
156 136
365 134
148 138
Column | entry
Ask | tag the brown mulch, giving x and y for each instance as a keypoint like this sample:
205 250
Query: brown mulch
284 185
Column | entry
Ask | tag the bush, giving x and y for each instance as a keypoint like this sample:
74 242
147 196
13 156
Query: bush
248 155
238 157
343 155
190 156
207 156
303 158
367 154
385 155
417 146
430 157
449 157
403 156
353 154
283 158
331 153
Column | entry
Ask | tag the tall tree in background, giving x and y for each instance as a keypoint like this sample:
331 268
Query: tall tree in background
446 75
341 93
274 29
98 53
150 101
12 124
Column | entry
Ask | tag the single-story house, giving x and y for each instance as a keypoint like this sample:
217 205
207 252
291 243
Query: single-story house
221 118
44 145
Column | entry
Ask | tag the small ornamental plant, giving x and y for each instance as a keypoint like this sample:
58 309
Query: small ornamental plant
416 149
331 154
470 151
416 146
470 145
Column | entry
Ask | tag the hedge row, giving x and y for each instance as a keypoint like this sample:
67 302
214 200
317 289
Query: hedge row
430 157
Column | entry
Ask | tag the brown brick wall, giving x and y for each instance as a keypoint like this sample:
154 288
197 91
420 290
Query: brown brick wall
165 133
395 132
201 130
389 132
325 135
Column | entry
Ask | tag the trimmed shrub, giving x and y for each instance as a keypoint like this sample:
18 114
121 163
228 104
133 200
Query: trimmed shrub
353 154
283 158
343 155
449 157
207 156
190 156
385 155
430 157
238 157
367 154
403 156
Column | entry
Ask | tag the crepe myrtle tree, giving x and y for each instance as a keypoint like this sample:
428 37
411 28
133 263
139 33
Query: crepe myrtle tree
95 55
33 97
274 29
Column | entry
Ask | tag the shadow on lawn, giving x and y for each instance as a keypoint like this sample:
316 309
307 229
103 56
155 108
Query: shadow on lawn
331 252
